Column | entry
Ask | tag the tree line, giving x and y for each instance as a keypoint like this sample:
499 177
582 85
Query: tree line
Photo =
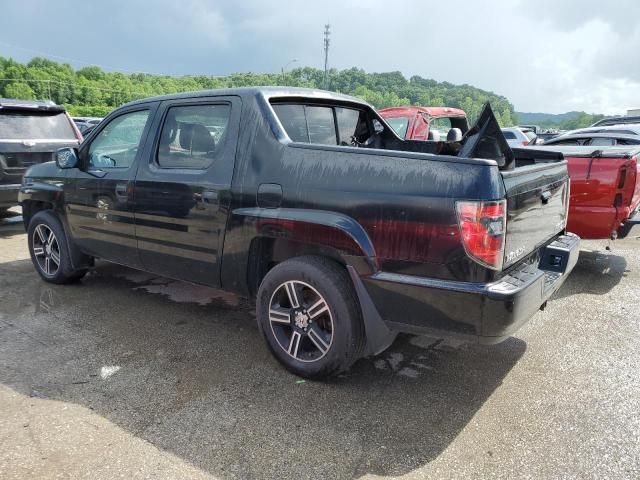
90 91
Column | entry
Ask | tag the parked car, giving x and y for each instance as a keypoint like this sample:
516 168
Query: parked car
519 137
86 124
605 189
595 139
425 123
612 121
345 233
622 128
544 136
30 133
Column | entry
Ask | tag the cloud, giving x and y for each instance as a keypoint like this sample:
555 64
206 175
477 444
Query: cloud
543 56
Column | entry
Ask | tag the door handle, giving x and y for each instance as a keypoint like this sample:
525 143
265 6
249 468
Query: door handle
545 197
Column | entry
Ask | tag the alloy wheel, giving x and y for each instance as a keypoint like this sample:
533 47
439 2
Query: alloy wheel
46 250
301 321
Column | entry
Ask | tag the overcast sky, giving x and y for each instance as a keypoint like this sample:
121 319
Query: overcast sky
543 55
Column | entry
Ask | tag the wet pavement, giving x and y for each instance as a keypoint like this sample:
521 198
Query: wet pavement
131 375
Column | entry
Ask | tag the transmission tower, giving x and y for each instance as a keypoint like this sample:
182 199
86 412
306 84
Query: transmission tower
327 41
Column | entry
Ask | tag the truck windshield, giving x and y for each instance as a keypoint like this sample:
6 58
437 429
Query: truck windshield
399 124
35 126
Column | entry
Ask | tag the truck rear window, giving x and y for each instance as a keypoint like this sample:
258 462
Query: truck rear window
35 126
325 125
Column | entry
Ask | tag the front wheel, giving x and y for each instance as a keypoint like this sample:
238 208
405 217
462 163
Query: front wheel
49 251
308 313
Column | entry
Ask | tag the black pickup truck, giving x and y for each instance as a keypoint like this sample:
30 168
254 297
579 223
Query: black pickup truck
309 201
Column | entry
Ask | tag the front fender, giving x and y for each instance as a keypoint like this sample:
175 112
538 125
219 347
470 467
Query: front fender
42 191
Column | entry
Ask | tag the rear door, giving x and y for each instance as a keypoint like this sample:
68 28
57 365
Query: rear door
182 189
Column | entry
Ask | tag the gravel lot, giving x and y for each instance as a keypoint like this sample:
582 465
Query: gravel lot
128 375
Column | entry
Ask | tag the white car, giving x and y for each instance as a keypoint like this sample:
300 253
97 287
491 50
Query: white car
623 128
518 137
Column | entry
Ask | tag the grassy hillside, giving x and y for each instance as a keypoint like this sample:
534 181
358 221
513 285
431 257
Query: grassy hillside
91 91
561 121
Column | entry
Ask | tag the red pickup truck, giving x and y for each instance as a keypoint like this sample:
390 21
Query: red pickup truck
425 123
605 190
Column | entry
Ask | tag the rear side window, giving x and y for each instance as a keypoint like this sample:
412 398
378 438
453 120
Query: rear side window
193 135
509 135
602 142
323 125
294 121
442 125
36 126
322 128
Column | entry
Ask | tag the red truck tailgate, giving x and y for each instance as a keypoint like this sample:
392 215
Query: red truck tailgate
605 190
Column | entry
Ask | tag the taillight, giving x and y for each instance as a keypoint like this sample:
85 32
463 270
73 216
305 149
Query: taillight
482 229
525 143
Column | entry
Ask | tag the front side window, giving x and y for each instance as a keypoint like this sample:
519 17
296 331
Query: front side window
117 144
193 135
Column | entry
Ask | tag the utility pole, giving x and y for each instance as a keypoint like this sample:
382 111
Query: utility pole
327 41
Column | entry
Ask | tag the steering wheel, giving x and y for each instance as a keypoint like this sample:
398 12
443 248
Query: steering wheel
103 160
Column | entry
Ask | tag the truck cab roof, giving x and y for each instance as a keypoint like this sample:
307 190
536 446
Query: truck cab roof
267 92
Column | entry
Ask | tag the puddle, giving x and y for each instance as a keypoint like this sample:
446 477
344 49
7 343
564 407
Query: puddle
176 291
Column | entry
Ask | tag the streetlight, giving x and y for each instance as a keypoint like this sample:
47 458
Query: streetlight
283 68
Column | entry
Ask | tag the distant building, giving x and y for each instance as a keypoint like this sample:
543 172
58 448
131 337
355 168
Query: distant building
633 112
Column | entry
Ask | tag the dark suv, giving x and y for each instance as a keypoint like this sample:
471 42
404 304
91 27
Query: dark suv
30 132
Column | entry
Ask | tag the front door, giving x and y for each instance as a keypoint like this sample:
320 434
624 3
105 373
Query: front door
100 207
182 190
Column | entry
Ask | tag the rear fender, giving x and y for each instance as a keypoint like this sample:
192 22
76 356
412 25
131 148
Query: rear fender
334 231
291 232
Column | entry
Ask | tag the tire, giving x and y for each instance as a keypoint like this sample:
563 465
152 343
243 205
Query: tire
324 334
50 257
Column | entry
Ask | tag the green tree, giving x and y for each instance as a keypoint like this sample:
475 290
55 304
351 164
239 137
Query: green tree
19 90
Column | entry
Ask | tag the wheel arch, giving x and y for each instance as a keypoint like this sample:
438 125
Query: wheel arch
39 196
271 236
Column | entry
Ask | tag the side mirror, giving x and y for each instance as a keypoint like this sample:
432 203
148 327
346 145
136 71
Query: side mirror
67 158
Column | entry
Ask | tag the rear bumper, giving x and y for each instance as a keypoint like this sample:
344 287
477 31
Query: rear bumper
485 313
630 226
9 195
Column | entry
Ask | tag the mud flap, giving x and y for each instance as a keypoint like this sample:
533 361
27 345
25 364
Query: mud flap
379 336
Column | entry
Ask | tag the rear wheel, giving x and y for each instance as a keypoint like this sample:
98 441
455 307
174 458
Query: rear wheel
49 251
309 316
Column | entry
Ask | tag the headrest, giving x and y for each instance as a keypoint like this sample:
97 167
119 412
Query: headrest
454 135
196 138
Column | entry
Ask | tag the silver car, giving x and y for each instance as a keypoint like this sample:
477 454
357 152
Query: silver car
518 137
